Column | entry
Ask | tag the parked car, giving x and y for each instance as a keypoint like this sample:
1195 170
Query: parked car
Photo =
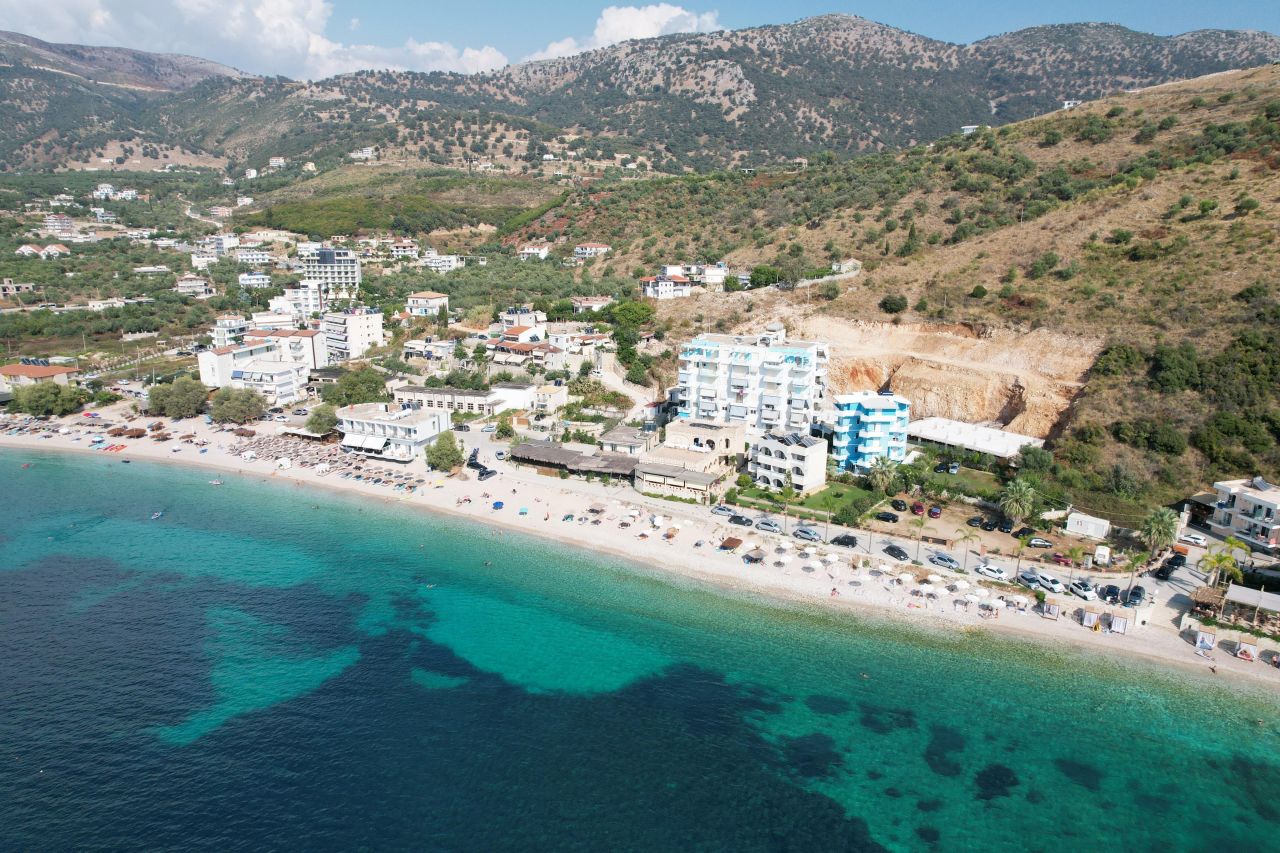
1084 589
1005 525
488 428
500 455
1193 539
1137 596
887 517
1177 561
953 468
975 521
898 504
1164 572
940 468
845 540
946 561
988 525
302 413
917 508
461 428
741 520
721 509
768 526
1029 578
935 511
281 418
808 534
997 572
1024 531
1110 594
897 552
1039 542
1063 560
276 410
1051 584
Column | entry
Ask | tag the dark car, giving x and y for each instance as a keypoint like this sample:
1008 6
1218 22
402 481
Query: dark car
976 521
845 540
1137 595
1005 526
486 473
1164 572
896 552
940 468
899 504
887 517
1177 561
989 525
461 428
1023 531
1110 593
741 520
935 512
917 508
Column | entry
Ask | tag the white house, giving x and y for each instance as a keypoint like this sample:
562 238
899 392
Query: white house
277 162
404 249
795 457
589 304
396 435
438 263
253 257
254 279
250 174
201 261
1248 510
59 225
194 285
365 153
244 200
764 382
591 250
217 365
530 252
666 287
426 303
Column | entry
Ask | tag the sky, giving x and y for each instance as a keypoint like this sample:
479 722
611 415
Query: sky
312 39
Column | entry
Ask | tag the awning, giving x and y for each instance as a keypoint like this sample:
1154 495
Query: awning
364 442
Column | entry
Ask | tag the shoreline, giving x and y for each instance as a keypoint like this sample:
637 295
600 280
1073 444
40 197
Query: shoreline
676 560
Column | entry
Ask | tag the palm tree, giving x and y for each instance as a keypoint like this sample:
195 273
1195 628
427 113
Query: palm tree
787 494
1018 500
1139 559
1159 529
1076 554
921 524
1020 549
1220 562
964 535
882 474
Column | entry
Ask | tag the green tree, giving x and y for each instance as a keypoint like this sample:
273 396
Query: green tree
445 454
1018 500
1220 563
963 535
322 420
637 374
236 405
48 399
919 525
883 474
184 397
357 386
744 481
1159 529
505 428
894 303
1032 458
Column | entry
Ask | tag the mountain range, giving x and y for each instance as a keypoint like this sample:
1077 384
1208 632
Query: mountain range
834 83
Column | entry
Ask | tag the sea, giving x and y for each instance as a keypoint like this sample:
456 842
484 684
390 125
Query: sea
268 666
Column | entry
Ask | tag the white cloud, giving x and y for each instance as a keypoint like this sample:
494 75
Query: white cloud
259 36
354 25
621 23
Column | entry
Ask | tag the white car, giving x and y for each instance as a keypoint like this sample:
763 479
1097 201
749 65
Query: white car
1084 589
996 572
1050 583
1198 539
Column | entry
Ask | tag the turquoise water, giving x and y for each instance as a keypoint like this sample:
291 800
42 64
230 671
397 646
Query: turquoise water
268 666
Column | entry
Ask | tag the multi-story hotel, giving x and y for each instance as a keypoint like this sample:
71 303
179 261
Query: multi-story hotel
338 271
763 382
352 333
1248 510
867 426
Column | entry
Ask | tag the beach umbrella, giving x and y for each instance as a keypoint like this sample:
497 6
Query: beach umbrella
1019 600
784 545
960 586
982 592
784 560
906 577
935 578
926 582
828 558
968 596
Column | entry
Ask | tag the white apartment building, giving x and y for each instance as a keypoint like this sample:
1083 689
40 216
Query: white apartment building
867 426
228 329
219 244
304 299
796 457
521 315
666 287
217 365
254 279
201 261
397 435
337 270
530 252
308 346
253 257
277 162
194 285
280 382
763 382
426 303
59 225
1248 510
442 264
591 250
352 332
404 249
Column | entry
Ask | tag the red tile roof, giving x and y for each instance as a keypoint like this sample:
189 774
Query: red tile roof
35 371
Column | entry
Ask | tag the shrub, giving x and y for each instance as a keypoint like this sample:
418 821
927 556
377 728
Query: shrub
978 292
1042 265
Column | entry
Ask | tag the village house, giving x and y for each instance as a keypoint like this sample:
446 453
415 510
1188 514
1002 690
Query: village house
589 304
254 279
591 250
277 162
194 285
404 249
9 287
59 225
14 376
796 458
426 303
666 287
530 252
501 397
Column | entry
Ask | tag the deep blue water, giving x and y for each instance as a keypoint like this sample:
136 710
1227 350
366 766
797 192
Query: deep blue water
268 667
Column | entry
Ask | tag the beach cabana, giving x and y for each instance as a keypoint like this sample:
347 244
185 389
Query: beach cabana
1247 650
1118 623
1205 641
1050 609
1091 619
1243 598
731 544
753 556
596 509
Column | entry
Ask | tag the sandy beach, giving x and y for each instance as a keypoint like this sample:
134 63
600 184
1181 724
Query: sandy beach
830 577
